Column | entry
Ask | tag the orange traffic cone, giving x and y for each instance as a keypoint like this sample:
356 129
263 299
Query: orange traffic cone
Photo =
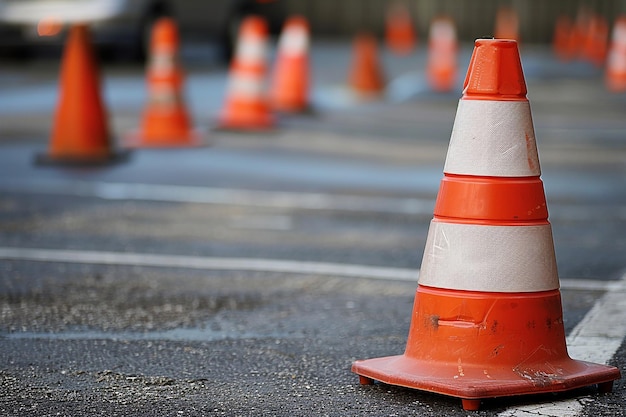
615 76
507 24
561 40
595 46
80 134
366 76
247 107
399 33
290 83
441 68
165 121
487 319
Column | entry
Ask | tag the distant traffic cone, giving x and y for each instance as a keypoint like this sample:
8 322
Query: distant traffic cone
400 36
290 84
441 68
507 24
487 319
165 121
80 134
246 106
595 46
615 76
366 75
561 41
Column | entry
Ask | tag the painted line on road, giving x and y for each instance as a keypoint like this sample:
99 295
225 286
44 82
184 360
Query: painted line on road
596 338
252 264
208 263
225 196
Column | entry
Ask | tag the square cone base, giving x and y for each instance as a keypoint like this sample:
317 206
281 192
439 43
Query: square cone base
471 383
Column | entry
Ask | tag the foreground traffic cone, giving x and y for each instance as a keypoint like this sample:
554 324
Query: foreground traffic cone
290 84
165 121
507 24
441 68
615 76
366 77
246 106
487 319
400 36
80 134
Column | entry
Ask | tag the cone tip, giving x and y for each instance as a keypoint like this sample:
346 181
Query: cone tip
495 71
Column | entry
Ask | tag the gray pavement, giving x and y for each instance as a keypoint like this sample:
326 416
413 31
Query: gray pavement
136 289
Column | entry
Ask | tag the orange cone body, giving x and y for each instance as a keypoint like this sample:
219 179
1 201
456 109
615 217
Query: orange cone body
487 319
80 133
290 83
165 121
507 24
366 76
441 68
399 33
561 40
615 76
246 106
595 46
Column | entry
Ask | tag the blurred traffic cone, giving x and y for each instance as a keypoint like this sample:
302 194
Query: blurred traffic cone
595 46
247 107
578 35
165 121
290 82
80 134
615 76
399 33
366 76
441 68
487 319
507 24
561 41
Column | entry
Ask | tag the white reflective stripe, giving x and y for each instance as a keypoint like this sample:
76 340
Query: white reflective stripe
245 84
489 258
251 50
294 41
619 33
493 138
442 31
162 62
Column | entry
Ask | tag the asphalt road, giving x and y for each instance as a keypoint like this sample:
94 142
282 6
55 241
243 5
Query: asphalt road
244 277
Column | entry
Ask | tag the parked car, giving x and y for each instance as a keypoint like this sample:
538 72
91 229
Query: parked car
124 25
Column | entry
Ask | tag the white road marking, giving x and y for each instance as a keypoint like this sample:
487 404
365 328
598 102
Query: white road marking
199 262
209 195
252 264
596 338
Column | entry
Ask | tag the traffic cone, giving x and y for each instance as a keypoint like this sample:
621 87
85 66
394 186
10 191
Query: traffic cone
487 319
441 67
290 83
366 77
80 133
561 41
246 106
507 24
595 46
615 75
165 121
400 36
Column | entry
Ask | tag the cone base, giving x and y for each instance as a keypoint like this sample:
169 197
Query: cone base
138 139
478 383
46 159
